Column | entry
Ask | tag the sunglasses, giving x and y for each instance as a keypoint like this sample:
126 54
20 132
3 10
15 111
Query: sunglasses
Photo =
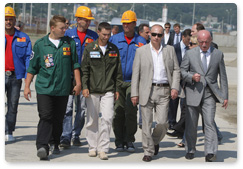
167 27
157 34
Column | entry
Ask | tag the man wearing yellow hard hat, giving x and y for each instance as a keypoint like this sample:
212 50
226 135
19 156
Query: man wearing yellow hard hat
125 119
17 53
82 36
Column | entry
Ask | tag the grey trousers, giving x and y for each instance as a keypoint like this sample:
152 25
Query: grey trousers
159 98
207 108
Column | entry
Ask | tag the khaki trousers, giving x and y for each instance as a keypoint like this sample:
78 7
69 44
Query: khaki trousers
98 131
159 99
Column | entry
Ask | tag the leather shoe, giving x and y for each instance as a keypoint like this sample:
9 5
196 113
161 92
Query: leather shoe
210 158
147 158
156 149
189 156
175 134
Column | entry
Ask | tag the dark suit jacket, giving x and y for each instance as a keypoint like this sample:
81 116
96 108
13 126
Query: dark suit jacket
171 38
178 52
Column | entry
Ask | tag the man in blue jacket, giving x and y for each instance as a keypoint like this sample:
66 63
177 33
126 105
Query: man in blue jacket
82 37
125 119
17 53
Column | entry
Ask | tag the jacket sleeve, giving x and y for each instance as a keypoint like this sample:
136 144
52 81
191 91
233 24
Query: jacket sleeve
185 68
74 55
119 78
85 70
176 72
135 75
34 61
223 79
28 54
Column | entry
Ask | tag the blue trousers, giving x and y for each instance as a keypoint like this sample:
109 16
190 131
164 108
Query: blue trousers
12 90
69 130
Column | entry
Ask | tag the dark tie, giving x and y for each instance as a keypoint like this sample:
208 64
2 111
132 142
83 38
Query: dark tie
177 38
204 62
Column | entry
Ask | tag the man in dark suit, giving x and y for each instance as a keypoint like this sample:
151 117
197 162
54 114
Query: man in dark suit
175 36
180 49
200 69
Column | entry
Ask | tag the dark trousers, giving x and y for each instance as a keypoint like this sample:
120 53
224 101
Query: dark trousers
51 112
12 90
125 118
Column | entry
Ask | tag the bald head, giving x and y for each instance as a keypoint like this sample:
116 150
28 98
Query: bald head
204 39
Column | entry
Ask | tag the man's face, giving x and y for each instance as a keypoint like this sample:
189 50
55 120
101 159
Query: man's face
59 30
129 27
167 28
145 32
194 30
156 35
204 41
177 29
186 40
104 35
83 23
9 22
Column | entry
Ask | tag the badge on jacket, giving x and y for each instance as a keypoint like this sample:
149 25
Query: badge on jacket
66 51
112 54
49 62
23 39
87 41
95 54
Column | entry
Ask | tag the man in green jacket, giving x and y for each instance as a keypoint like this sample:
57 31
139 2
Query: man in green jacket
101 78
53 58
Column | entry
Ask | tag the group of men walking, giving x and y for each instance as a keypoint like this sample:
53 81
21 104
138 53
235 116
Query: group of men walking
112 74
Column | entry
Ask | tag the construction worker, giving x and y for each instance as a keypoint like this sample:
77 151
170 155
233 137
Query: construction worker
125 119
17 53
102 76
54 58
82 37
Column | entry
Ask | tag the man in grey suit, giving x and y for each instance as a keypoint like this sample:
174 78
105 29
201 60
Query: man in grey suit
155 78
200 68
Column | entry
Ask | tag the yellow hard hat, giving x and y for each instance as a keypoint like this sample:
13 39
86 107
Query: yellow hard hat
128 16
84 12
9 11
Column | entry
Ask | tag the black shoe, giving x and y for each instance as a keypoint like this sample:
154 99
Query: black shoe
120 148
42 153
130 147
156 149
171 127
210 158
189 156
175 134
147 158
76 141
55 149
65 143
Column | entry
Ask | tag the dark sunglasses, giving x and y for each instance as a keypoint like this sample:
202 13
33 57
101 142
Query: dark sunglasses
167 27
157 34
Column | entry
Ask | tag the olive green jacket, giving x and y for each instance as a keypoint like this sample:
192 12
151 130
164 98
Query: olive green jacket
101 73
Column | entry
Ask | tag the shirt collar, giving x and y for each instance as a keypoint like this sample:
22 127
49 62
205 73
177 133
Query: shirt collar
208 51
160 49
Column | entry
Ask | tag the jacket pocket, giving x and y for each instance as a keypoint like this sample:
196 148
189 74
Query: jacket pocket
20 48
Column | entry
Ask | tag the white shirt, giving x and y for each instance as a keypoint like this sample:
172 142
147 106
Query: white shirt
55 41
166 37
179 35
103 48
183 49
208 55
160 75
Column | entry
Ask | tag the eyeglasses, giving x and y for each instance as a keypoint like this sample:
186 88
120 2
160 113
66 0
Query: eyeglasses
167 27
157 34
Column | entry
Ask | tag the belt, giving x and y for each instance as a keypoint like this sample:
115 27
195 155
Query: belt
9 73
160 84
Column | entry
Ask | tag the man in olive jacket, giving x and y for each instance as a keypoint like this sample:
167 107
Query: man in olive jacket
102 75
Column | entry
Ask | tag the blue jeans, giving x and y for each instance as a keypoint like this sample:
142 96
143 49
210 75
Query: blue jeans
12 90
74 131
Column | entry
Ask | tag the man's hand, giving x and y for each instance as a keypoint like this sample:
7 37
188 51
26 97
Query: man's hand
86 92
174 94
27 93
225 104
196 77
134 100
77 89
116 96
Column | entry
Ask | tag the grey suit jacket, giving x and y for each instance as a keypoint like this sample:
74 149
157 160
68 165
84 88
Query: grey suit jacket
192 64
143 68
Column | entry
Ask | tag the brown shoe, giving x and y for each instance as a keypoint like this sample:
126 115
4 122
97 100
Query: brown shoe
147 158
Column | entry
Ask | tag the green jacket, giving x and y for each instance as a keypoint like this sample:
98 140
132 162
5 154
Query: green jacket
53 65
101 73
